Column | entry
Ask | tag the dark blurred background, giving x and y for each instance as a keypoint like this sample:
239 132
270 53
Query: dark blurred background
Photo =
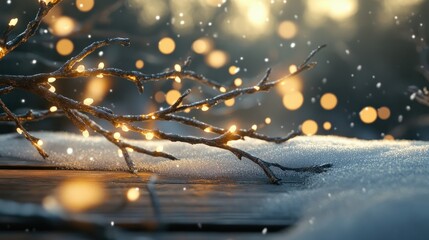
371 59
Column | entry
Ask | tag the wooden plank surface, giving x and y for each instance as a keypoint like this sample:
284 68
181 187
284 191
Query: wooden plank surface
190 205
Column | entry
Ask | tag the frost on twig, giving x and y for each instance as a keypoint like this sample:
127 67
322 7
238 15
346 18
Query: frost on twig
86 117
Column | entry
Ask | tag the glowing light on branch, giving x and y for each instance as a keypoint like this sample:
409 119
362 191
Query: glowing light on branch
368 115
149 136
254 127
53 109
267 120
233 128
19 131
293 68
177 68
80 68
39 142
101 65
88 101
13 22
116 135
230 102
85 133
51 80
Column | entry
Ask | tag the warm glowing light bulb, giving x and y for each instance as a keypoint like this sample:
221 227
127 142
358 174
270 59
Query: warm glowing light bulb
177 68
19 131
101 65
85 133
207 129
116 135
293 68
204 108
254 127
80 68
149 136
230 102
125 128
53 109
177 79
39 142
232 129
13 22
222 89
267 120
88 101
51 80
52 89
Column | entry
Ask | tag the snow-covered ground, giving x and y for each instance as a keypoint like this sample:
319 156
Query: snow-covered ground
375 190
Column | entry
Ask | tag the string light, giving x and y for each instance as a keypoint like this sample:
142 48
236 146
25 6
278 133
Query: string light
51 80
52 89
205 108
177 68
267 120
88 101
149 136
80 68
254 127
39 142
85 133
222 89
53 109
125 128
238 82
166 45
13 22
117 135
19 131
101 65
232 129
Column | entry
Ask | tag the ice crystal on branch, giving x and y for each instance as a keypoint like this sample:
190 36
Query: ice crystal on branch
86 114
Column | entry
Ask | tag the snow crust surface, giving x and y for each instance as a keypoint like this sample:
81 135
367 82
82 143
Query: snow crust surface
375 190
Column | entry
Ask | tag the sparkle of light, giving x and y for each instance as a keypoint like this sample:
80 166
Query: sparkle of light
327 125
79 195
63 26
88 101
